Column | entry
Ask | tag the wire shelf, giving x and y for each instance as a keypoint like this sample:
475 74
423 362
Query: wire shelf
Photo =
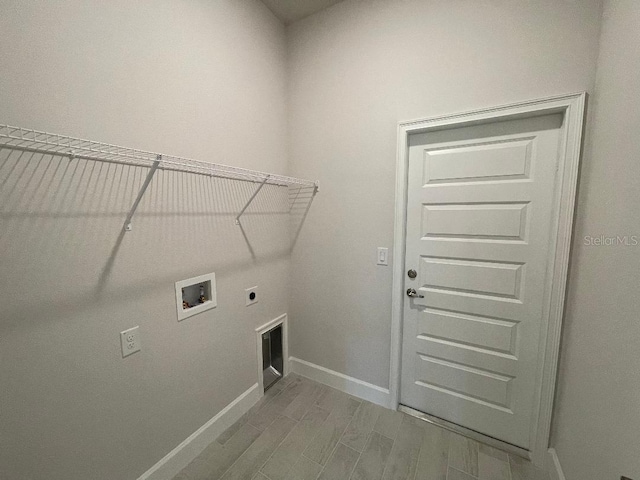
34 141
29 140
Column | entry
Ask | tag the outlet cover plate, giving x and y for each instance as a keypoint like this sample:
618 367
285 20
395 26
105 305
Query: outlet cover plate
251 296
130 341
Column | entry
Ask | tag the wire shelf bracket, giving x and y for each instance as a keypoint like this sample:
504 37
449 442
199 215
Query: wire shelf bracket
251 199
127 223
34 141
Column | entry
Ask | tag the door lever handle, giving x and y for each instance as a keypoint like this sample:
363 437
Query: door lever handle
411 292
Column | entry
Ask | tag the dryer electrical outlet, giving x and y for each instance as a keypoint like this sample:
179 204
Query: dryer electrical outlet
251 296
130 341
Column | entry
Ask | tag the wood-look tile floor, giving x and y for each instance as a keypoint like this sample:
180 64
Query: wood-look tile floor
302 430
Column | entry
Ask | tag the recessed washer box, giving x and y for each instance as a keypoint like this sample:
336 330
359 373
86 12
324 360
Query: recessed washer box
195 295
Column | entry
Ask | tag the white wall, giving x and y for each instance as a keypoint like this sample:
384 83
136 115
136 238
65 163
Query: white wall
597 424
207 80
201 79
357 69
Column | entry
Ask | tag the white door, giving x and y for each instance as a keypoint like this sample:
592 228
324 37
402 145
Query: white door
480 210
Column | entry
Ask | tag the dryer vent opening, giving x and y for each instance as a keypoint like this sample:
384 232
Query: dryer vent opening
272 359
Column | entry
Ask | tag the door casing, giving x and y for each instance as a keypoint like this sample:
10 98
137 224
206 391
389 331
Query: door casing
572 107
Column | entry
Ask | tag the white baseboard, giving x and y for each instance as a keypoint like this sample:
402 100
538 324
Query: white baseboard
178 458
342 382
553 465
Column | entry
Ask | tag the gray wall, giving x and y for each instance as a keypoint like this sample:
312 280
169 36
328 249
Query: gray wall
357 69
196 78
596 424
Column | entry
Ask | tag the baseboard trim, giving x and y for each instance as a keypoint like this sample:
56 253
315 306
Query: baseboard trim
553 465
353 386
178 458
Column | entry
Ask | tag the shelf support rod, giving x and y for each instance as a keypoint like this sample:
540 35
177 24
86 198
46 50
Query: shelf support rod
251 199
127 223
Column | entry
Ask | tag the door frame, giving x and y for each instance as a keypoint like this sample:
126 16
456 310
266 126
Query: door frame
572 106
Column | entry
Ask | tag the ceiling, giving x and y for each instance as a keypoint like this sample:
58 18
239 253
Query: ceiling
289 11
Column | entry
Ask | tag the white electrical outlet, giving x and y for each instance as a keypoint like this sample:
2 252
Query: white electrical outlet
130 340
251 295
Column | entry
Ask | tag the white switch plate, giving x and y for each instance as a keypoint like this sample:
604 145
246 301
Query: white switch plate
383 256
130 341
248 292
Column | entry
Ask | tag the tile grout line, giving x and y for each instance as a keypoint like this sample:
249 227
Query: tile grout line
261 432
315 404
311 398
263 407
263 474
337 443
393 446
243 453
287 435
510 466
334 448
278 446
424 432
458 470
386 465
368 434
277 395
449 458
353 469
